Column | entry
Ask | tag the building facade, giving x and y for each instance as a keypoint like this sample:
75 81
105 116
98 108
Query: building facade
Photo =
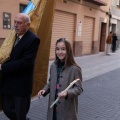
8 10
115 17
84 23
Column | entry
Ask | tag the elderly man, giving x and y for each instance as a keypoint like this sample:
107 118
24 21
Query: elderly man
17 72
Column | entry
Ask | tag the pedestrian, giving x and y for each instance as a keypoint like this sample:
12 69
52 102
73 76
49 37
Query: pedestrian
109 42
114 40
62 72
17 72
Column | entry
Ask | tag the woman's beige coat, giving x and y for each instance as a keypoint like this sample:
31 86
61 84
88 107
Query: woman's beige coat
68 107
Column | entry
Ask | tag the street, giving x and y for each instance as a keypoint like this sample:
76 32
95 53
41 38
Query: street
100 99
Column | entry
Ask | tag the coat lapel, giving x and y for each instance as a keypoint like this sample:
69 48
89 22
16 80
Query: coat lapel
20 44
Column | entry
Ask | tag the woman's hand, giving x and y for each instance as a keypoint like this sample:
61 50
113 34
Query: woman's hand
62 94
41 92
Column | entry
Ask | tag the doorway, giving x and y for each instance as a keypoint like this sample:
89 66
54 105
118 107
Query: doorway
114 28
102 37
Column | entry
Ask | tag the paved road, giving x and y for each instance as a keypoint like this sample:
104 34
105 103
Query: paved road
101 97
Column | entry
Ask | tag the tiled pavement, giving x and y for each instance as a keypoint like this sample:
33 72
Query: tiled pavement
101 97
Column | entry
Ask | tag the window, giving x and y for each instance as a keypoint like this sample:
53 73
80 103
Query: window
22 7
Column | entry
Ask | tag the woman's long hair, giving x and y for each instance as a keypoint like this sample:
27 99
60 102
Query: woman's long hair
69 59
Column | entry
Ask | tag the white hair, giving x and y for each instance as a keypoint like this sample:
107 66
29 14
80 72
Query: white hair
26 17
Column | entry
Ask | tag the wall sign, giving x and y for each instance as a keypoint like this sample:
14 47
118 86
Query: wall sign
6 20
79 28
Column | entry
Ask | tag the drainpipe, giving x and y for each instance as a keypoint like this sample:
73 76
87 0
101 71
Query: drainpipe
110 25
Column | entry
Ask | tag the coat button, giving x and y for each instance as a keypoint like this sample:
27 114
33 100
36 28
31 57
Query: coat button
60 85
61 76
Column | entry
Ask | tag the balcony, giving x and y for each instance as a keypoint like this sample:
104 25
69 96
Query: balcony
98 2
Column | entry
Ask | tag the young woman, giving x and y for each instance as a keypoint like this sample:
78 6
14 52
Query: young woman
63 71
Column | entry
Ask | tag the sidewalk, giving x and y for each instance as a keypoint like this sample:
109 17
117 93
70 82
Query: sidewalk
98 64
100 99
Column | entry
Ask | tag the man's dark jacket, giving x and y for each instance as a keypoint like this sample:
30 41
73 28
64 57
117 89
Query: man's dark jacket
17 72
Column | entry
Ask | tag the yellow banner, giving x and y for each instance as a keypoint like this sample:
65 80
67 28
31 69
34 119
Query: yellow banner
44 32
41 24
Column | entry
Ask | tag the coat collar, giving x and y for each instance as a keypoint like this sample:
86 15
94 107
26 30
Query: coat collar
56 63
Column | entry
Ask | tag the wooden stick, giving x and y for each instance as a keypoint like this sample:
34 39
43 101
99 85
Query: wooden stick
72 83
